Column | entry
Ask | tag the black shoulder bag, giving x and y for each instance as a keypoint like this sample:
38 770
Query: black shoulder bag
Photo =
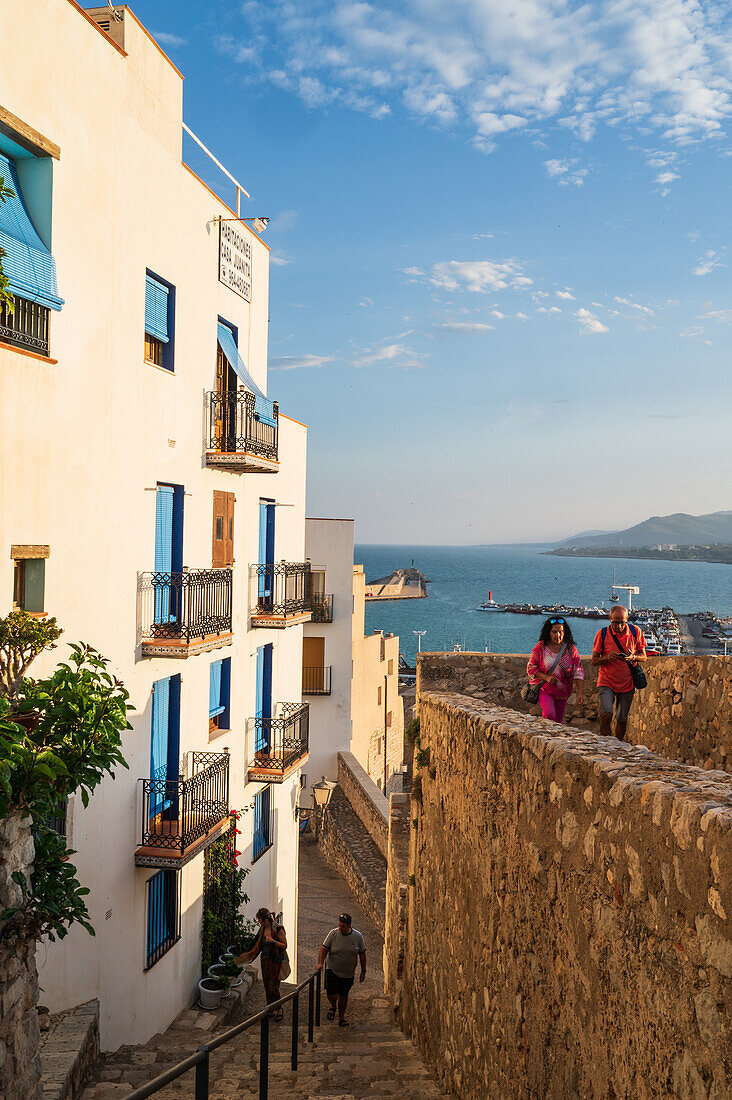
640 680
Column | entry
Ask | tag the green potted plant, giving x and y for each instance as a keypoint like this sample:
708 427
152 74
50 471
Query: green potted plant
211 992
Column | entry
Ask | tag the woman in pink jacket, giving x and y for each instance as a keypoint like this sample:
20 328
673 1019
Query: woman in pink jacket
555 664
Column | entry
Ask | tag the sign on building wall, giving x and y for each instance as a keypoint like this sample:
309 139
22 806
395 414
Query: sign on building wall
235 260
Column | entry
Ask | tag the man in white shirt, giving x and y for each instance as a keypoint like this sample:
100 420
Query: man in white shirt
342 947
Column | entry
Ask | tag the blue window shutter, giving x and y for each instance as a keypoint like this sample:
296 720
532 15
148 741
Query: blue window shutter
163 551
267 682
270 551
29 266
215 706
156 309
263 407
266 557
225 722
266 797
159 736
261 738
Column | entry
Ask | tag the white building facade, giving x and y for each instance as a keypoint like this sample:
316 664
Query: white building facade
152 497
327 666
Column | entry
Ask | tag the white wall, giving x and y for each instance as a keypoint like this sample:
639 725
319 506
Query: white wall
329 545
83 442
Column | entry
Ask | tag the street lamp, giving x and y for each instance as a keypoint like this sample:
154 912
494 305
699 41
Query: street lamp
322 793
420 634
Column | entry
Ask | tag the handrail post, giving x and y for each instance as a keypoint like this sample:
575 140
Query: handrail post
263 1059
202 1077
318 974
311 999
295 1036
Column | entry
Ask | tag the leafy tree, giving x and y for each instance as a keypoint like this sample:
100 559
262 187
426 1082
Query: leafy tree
59 736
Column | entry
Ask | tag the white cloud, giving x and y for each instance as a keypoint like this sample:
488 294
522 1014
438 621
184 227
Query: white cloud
477 276
721 316
565 172
167 39
652 66
295 362
634 305
279 259
565 294
283 221
707 263
465 328
392 355
589 323
366 302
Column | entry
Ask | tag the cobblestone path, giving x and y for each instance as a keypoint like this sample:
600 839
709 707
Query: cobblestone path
370 1058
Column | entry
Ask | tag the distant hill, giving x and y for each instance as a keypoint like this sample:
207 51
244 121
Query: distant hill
680 529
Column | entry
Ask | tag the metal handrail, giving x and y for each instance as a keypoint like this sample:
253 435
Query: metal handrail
200 1060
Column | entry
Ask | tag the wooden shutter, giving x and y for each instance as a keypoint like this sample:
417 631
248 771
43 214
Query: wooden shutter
223 529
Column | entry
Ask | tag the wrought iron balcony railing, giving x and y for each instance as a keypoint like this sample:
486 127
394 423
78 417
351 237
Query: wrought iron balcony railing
181 817
316 680
26 326
281 741
238 433
282 593
322 609
188 610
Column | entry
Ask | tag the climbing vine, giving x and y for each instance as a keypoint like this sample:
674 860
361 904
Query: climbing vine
224 924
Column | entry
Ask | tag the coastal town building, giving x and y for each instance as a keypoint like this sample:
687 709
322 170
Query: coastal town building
326 656
377 711
152 497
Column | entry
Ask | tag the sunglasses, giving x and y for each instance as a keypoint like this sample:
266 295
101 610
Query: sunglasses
557 622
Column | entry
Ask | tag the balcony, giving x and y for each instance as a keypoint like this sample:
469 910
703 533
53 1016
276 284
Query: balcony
316 681
281 595
237 439
26 326
181 818
180 614
280 743
322 609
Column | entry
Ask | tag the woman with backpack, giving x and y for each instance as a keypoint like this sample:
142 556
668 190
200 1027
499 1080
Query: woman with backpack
555 664
271 944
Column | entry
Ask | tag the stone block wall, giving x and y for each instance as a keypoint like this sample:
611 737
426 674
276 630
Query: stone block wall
685 713
20 1063
395 936
568 913
365 798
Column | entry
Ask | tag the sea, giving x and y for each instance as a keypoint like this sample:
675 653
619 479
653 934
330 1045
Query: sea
462 576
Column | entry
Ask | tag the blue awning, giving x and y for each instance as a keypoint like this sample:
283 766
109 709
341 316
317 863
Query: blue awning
262 405
156 309
28 265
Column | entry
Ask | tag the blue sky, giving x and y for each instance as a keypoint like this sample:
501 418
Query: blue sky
500 289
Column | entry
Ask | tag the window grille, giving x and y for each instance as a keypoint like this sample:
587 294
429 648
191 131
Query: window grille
163 915
262 823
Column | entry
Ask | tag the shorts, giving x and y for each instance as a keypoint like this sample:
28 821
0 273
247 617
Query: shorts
336 986
619 701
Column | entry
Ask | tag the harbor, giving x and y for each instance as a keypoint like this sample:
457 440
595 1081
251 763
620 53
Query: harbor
539 586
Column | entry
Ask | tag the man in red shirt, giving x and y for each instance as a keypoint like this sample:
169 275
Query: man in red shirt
621 646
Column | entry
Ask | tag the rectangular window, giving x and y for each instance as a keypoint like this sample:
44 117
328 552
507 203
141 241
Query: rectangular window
390 668
388 719
159 321
262 823
378 695
218 695
163 915
29 585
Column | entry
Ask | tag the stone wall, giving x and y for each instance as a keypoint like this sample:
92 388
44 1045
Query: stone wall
20 1063
349 849
568 916
685 713
395 936
365 798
